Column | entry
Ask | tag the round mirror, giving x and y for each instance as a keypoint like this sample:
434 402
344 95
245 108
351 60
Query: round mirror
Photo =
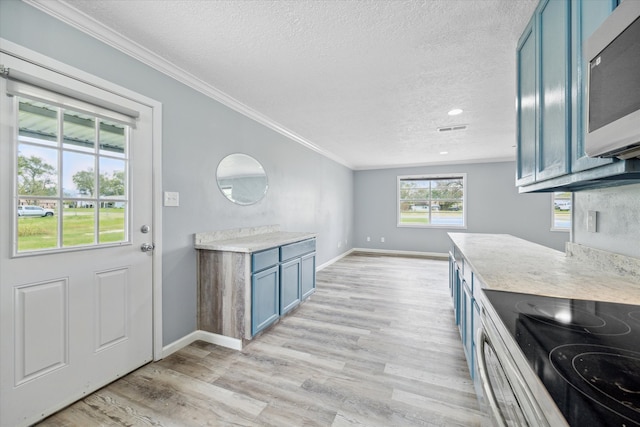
242 179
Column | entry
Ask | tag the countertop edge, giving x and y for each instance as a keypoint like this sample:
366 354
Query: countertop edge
250 244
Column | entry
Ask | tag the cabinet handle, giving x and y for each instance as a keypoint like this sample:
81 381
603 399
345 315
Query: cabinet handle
482 340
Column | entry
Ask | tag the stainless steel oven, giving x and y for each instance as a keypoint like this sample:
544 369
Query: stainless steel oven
505 393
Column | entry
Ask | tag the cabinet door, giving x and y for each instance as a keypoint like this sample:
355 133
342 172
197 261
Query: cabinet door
526 106
467 324
477 325
289 285
586 16
308 275
265 295
457 279
554 53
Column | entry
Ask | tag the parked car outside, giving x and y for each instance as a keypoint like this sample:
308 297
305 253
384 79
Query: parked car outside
563 205
29 210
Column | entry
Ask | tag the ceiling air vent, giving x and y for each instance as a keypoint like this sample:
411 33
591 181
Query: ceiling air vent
452 128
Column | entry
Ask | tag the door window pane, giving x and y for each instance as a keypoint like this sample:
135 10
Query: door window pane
112 139
37 122
79 131
112 178
37 171
79 177
37 224
112 222
78 225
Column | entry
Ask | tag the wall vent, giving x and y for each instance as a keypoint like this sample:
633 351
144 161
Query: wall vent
452 128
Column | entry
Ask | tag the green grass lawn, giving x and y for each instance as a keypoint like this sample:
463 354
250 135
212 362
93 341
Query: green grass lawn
77 229
422 218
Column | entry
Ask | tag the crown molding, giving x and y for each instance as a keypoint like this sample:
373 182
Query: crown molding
424 164
64 12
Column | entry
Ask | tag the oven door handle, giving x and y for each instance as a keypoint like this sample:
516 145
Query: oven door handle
482 340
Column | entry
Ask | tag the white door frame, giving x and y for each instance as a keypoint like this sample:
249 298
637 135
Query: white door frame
29 55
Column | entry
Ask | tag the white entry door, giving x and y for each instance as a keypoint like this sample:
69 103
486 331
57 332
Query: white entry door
75 210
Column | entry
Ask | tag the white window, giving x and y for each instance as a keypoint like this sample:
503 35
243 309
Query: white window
71 172
561 211
432 201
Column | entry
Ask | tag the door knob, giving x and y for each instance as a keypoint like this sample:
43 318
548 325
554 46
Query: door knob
147 247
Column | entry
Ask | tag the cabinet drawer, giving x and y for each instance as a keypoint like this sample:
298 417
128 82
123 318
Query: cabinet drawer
297 249
264 259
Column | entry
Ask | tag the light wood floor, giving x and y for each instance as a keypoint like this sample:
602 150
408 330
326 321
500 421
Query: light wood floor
374 346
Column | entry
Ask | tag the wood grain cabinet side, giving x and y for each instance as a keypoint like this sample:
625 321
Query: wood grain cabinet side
224 293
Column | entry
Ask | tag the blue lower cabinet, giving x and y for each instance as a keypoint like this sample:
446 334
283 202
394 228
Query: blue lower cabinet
465 307
477 324
467 324
281 278
308 275
289 285
265 299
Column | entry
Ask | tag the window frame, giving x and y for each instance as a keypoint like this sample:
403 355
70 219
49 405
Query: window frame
433 177
553 213
59 198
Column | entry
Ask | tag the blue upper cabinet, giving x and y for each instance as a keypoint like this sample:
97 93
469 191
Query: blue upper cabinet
543 94
526 105
551 99
552 158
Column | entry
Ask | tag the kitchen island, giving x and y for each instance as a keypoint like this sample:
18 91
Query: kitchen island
549 321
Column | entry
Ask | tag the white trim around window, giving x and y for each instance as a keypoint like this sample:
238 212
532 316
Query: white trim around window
432 201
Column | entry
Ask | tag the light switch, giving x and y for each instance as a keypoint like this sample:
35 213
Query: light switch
592 221
171 198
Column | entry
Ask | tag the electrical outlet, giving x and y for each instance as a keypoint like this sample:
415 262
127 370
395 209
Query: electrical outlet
592 221
382 239
368 238
339 244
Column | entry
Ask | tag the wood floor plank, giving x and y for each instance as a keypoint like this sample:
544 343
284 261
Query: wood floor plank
376 345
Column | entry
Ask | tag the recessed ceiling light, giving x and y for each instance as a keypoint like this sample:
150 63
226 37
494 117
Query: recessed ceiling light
455 112
444 152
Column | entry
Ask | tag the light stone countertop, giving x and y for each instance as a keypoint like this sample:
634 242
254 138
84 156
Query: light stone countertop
504 262
252 243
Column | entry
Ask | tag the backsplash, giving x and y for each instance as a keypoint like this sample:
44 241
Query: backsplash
618 219
604 260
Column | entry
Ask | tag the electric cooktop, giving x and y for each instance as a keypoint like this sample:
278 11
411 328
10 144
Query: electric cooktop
586 353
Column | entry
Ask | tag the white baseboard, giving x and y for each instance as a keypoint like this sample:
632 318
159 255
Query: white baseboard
221 340
435 255
331 261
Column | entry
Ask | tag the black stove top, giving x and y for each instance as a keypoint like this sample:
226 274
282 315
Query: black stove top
586 353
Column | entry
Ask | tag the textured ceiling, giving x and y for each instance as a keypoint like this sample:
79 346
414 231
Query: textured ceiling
367 82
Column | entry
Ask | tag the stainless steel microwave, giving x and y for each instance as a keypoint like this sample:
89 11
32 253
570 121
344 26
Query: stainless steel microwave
613 85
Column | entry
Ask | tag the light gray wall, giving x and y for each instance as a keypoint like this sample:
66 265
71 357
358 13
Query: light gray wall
493 206
618 219
307 192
